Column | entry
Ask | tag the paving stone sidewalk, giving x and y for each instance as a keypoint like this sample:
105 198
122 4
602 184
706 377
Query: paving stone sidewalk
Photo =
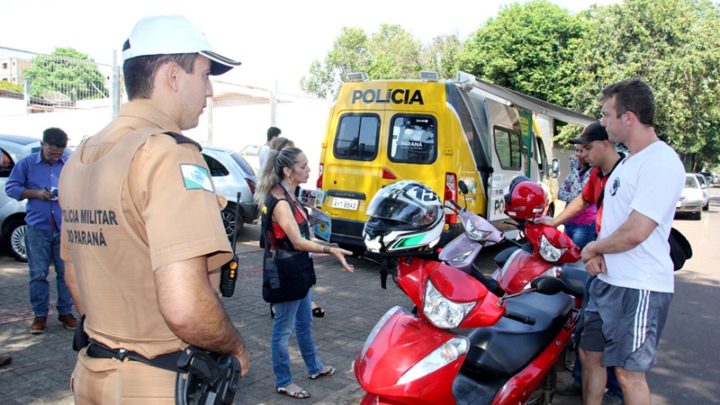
42 364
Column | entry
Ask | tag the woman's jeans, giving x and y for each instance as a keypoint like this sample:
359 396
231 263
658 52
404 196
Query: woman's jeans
288 314
43 249
581 235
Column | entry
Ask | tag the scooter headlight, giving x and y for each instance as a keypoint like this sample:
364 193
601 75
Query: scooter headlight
550 252
475 233
442 312
450 351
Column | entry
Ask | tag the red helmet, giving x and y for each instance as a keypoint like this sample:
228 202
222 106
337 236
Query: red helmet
525 199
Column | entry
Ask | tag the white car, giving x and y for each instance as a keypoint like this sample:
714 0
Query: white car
693 197
12 212
232 174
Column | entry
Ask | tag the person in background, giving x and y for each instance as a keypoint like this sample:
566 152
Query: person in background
143 272
287 228
35 178
581 227
629 301
272 133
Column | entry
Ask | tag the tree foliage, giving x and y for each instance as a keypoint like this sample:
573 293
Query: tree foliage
442 55
674 46
527 48
390 53
66 72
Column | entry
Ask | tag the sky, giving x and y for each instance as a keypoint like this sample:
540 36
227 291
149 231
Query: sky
276 40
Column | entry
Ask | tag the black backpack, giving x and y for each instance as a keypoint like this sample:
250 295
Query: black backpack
680 249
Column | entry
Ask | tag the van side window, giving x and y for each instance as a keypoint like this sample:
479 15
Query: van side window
413 139
508 147
6 164
357 137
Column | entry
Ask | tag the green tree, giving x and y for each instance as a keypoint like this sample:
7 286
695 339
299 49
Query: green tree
673 45
395 53
527 48
349 54
66 72
442 55
390 53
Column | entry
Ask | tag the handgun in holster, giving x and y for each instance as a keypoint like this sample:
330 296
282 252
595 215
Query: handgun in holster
207 378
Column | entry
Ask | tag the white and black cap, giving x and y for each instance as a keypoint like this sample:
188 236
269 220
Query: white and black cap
165 35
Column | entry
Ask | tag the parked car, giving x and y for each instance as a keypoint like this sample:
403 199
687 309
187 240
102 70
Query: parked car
704 184
251 153
231 174
12 212
692 198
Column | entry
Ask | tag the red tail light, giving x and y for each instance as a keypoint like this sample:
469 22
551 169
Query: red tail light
319 182
387 174
250 184
450 193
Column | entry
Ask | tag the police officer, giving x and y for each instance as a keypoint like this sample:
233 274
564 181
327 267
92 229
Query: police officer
142 237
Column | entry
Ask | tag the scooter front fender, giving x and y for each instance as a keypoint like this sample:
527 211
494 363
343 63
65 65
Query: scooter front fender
400 344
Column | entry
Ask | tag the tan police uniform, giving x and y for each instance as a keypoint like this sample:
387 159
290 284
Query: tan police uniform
133 202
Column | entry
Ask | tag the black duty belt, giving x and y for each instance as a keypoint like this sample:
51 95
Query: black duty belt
167 361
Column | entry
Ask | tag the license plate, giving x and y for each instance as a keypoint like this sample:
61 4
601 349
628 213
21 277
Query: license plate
345 203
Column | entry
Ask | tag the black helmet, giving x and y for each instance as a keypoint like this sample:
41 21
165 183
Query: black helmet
405 217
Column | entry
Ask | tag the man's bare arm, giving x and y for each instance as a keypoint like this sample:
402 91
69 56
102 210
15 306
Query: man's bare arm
633 232
573 208
193 310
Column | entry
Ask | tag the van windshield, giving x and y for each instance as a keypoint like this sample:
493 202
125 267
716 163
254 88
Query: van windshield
357 137
413 139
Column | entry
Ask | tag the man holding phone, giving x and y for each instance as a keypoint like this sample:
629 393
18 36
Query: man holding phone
35 178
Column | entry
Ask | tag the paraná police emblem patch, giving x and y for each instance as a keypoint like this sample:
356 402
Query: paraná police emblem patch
196 177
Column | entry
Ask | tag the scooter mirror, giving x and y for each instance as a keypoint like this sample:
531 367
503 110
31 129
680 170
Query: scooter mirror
547 285
463 187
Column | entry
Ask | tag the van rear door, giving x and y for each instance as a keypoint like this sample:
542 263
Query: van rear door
352 176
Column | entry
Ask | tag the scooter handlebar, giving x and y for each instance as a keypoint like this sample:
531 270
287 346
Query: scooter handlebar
528 320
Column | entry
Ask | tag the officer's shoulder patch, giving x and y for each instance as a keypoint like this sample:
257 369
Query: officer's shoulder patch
196 177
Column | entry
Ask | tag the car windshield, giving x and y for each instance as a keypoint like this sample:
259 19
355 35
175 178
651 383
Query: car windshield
691 182
243 164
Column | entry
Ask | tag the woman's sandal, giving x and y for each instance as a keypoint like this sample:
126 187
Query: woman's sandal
293 391
326 371
318 312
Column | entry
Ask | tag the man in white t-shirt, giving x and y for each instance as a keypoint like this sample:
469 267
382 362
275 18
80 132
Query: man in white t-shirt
272 133
629 301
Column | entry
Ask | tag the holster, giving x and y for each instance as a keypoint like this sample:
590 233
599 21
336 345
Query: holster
207 378
80 339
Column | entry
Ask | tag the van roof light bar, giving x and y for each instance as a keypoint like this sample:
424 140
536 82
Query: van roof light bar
357 77
465 80
429 75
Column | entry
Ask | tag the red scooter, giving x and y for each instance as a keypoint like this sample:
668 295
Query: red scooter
466 345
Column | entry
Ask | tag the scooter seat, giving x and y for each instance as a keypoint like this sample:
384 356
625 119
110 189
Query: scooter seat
505 348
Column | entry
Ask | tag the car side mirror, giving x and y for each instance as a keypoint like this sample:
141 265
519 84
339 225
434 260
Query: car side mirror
555 168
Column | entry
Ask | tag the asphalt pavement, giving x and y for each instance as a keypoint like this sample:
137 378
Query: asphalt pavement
687 370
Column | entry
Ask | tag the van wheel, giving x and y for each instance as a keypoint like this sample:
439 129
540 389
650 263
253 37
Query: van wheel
229 220
16 239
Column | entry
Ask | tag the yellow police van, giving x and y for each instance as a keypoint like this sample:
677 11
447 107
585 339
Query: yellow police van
436 132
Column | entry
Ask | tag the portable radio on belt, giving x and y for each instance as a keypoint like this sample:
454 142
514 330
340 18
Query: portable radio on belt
228 273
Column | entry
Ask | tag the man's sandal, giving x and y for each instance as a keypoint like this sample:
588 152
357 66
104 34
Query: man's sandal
326 371
293 391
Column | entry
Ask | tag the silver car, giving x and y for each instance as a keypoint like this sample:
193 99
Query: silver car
232 174
12 212
692 198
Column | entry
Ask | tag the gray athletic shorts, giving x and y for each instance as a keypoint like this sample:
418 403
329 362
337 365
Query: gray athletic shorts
624 324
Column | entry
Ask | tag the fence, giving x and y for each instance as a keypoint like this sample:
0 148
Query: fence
65 79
